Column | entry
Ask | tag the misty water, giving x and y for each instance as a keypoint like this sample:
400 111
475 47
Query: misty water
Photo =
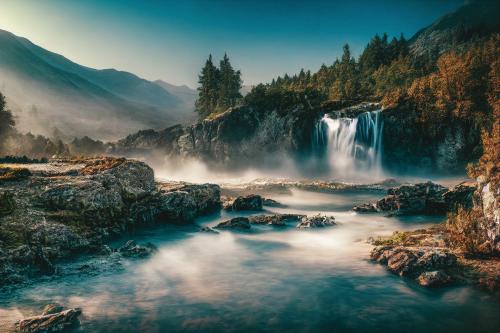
269 279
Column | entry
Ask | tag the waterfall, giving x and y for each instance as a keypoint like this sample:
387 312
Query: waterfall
351 147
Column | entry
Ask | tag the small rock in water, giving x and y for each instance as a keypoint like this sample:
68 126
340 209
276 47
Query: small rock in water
235 223
317 221
51 322
208 230
276 219
249 202
272 203
366 208
433 279
52 308
131 249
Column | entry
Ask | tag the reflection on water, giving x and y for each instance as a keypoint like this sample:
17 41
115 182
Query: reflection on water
272 280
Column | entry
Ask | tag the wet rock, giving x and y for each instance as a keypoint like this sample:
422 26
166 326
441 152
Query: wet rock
241 223
413 261
59 237
422 198
272 203
132 249
249 202
54 322
317 221
433 279
208 230
52 308
275 219
366 208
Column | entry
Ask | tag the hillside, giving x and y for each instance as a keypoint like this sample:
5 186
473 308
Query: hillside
47 91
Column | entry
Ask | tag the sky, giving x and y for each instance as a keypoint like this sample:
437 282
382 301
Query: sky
170 40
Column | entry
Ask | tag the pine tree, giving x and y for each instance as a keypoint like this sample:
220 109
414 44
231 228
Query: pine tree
229 84
208 89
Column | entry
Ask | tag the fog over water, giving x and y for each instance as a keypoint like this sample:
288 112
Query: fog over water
268 279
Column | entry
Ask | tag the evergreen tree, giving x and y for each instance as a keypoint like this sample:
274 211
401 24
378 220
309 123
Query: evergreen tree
208 89
6 121
229 84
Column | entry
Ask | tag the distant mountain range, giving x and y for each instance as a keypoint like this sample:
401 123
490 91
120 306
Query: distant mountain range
47 92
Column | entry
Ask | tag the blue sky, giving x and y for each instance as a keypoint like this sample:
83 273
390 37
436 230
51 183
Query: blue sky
170 40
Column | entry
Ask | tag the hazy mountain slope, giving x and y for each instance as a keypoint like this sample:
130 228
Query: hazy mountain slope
47 91
469 22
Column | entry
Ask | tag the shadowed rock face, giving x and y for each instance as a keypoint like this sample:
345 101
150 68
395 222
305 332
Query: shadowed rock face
56 214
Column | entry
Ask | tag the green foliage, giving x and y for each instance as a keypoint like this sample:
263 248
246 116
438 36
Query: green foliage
219 87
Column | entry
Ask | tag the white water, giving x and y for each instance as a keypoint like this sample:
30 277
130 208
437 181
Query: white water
352 147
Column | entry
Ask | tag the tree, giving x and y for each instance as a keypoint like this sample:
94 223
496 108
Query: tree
6 121
229 84
208 89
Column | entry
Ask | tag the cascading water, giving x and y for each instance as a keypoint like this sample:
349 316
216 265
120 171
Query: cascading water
351 147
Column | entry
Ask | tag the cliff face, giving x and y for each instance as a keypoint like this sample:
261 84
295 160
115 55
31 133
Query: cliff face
409 146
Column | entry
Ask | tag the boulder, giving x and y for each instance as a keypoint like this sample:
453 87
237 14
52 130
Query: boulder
317 221
411 261
52 308
433 279
249 202
241 223
208 230
54 322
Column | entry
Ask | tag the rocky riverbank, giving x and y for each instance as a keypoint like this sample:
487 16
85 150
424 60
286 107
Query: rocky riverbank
465 250
62 209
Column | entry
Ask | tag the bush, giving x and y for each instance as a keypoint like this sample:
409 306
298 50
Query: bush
467 232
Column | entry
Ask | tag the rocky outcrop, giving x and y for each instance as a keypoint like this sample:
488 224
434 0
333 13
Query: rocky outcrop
422 198
50 321
412 262
433 279
67 208
317 221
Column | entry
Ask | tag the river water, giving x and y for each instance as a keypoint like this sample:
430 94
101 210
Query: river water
269 279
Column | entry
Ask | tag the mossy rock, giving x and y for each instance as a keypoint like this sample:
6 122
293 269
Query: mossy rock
7 203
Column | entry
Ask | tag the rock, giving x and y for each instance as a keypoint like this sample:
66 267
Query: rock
422 198
132 249
55 322
433 279
249 202
14 174
52 308
208 230
411 261
276 219
271 203
242 223
366 208
317 221
460 195
59 237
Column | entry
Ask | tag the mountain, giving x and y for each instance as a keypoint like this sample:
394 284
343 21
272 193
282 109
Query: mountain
47 93
186 95
472 21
